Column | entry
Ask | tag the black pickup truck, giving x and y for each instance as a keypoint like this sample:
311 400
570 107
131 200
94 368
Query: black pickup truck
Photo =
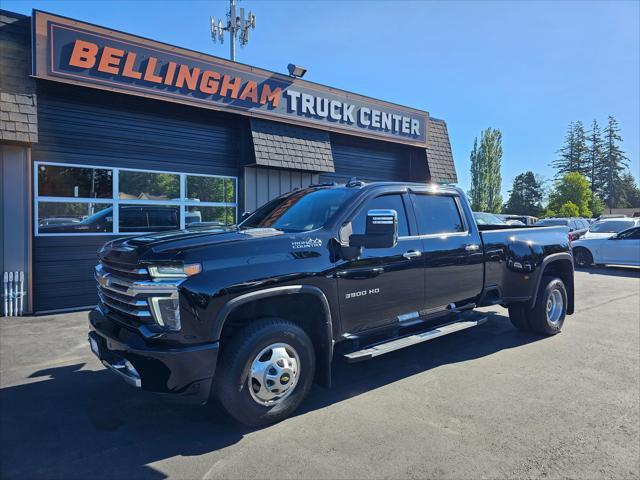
252 314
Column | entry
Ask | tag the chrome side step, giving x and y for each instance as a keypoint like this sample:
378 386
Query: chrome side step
413 339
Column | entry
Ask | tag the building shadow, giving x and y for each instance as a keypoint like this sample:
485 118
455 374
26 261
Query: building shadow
73 423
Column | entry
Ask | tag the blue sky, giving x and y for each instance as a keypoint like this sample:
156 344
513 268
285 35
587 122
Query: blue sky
527 68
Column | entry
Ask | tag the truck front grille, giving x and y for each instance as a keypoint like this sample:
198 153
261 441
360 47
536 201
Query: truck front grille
126 290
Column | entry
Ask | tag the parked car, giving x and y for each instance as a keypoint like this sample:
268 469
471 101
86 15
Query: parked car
619 249
577 226
485 218
135 219
606 227
510 219
252 314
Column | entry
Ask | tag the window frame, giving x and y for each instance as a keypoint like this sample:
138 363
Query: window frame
183 202
456 202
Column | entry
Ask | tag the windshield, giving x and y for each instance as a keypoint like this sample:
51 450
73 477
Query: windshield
553 222
488 219
300 211
613 226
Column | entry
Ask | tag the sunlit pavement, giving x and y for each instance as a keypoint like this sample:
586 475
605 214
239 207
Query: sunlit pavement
485 402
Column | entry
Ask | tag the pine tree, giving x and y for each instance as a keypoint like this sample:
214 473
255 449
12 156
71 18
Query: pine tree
614 162
574 153
486 181
477 190
525 197
595 154
491 154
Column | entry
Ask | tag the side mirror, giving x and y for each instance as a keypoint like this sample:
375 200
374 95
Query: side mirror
381 230
614 237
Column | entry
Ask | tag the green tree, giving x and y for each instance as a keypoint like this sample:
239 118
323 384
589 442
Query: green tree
569 209
628 192
596 205
614 162
574 152
486 180
525 196
595 155
574 188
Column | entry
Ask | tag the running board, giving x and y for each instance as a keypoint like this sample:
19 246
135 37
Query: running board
413 339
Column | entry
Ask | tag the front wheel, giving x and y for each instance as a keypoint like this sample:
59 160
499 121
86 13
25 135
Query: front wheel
266 372
582 257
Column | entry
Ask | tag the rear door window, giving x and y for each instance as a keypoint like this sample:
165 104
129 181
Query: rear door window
437 214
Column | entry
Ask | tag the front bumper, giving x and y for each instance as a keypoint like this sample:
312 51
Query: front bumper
184 374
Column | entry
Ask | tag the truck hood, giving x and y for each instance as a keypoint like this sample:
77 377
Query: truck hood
132 249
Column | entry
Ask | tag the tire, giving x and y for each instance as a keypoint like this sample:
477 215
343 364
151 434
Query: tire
518 317
550 309
250 351
582 257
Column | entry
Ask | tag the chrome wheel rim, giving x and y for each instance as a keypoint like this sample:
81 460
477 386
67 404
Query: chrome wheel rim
555 306
274 374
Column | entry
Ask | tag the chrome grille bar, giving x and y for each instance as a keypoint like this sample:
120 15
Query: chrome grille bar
128 296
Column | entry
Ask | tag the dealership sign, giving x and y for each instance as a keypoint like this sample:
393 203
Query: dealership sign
73 52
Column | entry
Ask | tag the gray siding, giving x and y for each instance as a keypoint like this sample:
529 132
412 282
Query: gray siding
15 208
263 184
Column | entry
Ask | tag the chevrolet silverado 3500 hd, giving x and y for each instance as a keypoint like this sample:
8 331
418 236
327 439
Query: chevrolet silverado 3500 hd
252 314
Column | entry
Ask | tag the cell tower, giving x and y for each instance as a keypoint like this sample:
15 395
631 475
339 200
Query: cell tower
235 25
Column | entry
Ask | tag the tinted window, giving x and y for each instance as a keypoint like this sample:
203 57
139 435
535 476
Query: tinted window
300 211
437 214
631 234
393 202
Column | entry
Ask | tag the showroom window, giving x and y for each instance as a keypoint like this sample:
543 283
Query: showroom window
87 200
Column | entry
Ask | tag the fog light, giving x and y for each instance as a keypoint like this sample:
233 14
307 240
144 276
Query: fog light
166 311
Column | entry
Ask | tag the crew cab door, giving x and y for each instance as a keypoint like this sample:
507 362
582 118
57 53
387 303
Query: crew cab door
384 283
452 250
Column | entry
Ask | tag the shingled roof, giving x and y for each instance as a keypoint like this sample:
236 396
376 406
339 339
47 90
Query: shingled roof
439 156
288 146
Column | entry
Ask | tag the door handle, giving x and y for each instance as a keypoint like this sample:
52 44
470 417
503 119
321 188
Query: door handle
472 247
411 254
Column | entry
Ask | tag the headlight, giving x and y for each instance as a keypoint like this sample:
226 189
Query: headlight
166 311
175 271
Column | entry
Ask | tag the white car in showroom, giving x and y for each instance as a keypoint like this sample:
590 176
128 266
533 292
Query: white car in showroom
618 249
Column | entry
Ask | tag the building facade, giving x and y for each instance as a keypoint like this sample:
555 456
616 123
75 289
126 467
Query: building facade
106 134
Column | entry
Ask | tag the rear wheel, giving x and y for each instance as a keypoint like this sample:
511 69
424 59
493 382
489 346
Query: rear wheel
582 257
550 309
266 372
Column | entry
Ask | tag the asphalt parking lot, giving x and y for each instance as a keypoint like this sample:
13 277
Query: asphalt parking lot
488 402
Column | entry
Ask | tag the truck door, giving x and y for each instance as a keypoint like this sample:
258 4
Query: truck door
384 284
452 250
